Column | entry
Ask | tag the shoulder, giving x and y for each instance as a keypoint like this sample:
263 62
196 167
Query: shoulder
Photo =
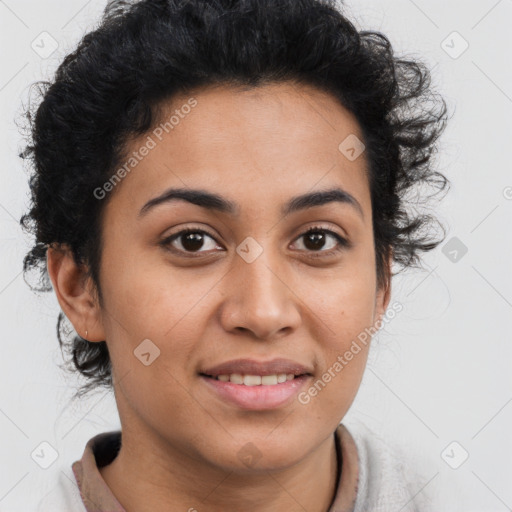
65 496
388 479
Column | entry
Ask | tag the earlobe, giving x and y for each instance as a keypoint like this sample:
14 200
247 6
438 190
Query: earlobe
384 298
383 294
74 292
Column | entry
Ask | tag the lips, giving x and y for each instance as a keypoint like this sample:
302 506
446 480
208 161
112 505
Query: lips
254 367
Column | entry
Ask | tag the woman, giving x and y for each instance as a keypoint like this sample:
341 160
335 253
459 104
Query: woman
219 195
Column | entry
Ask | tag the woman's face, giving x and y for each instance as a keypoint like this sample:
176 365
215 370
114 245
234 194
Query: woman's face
247 283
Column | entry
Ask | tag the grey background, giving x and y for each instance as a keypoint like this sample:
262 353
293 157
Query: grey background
438 373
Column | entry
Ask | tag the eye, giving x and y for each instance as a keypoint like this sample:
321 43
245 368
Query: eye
316 240
325 241
190 240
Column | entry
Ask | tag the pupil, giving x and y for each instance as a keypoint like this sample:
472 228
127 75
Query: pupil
317 238
192 241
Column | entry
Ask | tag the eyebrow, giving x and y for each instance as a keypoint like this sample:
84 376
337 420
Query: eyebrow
212 201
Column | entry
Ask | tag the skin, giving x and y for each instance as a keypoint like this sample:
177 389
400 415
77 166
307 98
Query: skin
258 148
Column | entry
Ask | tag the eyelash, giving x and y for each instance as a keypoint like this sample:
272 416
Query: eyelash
343 243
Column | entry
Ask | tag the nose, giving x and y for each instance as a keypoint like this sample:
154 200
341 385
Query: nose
260 300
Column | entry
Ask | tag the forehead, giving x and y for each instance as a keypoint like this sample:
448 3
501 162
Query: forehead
258 142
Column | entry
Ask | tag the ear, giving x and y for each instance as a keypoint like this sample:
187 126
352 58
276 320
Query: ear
75 293
383 295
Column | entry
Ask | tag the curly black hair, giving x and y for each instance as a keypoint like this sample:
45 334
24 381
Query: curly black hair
144 52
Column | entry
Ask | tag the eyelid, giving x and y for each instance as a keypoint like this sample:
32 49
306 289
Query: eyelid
323 226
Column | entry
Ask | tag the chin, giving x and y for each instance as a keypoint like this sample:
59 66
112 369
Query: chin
260 454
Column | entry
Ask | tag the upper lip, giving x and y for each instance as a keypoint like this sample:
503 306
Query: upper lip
253 367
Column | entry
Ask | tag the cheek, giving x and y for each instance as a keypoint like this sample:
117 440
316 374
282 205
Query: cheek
343 322
152 302
344 302
343 317
148 297
147 314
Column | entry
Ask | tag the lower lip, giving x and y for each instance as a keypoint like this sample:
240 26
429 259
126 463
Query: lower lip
257 397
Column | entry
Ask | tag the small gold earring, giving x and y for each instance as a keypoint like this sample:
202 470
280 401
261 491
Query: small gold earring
86 331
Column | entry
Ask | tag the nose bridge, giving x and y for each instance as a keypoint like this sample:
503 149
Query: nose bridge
260 279
259 299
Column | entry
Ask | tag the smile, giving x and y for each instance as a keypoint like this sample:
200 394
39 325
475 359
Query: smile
256 392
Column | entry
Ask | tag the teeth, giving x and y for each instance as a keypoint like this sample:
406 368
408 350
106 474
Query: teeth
252 380
236 378
269 380
256 380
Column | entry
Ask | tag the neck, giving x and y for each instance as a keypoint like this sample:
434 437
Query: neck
153 476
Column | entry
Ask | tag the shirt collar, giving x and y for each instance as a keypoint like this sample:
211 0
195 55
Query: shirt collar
99 451
102 449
